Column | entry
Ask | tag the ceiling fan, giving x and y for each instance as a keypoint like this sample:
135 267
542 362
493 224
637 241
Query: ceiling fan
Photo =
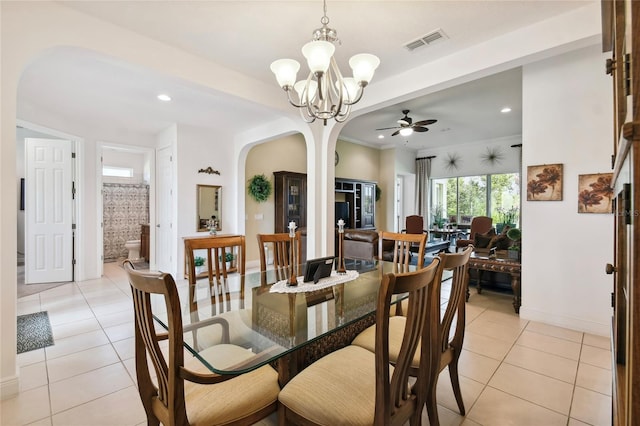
407 126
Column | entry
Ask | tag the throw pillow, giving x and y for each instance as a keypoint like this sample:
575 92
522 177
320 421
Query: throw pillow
483 240
500 242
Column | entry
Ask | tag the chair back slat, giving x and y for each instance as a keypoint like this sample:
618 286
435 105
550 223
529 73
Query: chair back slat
393 395
217 249
457 263
280 245
169 405
402 249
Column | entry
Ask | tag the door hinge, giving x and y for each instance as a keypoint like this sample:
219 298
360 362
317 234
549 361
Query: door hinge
626 203
610 65
73 262
613 300
73 155
627 74
73 190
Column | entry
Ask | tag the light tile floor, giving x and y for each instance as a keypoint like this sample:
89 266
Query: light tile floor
513 371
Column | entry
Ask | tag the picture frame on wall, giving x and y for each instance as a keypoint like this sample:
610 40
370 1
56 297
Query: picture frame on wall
595 193
544 182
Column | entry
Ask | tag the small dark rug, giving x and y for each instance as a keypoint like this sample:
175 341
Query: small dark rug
34 332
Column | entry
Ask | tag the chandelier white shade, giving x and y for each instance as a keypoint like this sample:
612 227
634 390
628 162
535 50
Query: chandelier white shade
325 94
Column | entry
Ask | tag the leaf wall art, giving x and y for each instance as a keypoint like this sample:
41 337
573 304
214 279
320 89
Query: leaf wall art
544 183
595 193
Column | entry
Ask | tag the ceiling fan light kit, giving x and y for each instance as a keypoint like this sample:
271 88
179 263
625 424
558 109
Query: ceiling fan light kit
406 126
325 94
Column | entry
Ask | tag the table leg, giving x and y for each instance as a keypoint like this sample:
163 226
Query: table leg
479 284
515 286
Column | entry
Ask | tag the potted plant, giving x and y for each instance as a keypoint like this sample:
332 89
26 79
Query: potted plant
515 235
198 262
509 218
228 257
438 216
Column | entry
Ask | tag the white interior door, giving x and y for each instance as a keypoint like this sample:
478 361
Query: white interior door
48 210
164 224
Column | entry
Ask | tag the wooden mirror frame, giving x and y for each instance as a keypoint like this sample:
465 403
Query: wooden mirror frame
208 204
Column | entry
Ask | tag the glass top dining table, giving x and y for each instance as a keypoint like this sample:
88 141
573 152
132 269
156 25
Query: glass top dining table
242 313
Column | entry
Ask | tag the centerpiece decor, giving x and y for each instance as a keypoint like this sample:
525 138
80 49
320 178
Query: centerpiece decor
293 275
340 267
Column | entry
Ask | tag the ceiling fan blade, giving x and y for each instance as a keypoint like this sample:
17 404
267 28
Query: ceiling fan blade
420 129
389 128
424 122
395 133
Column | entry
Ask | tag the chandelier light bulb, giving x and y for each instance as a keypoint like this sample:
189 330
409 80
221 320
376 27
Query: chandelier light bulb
406 131
318 54
363 66
300 89
286 71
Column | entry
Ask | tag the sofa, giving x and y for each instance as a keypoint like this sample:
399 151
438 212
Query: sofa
360 244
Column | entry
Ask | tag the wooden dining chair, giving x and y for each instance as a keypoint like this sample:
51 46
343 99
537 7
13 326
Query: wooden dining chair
443 347
397 248
218 249
414 224
218 294
358 387
186 393
280 245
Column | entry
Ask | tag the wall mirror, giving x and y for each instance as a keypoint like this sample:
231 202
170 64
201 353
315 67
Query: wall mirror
209 206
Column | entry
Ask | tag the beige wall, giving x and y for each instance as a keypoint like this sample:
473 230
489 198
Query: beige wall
357 161
290 154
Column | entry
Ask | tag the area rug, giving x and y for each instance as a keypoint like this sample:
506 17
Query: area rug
34 332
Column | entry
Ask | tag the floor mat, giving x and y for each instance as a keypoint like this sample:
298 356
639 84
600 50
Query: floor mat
34 332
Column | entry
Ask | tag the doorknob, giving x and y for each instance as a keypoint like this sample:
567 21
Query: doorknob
158 226
610 269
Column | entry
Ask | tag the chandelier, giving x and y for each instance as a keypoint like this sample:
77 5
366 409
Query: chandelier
325 94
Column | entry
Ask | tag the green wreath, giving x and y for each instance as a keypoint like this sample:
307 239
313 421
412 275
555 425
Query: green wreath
259 188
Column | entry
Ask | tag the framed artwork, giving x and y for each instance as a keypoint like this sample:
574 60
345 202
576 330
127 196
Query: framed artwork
544 183
595 193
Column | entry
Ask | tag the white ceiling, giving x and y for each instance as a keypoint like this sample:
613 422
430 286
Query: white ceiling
246 36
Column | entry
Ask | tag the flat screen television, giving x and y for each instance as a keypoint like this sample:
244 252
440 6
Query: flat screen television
342 212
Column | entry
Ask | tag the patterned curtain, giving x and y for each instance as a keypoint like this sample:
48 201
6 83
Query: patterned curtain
125 208
423 173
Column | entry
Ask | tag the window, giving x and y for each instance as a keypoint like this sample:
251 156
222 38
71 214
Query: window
111 171
459 199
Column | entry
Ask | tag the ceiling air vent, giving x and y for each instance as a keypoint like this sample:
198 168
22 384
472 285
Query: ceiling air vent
426 39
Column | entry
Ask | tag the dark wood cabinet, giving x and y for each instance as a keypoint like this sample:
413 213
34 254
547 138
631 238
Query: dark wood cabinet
621 37
290 200
361 197
144 242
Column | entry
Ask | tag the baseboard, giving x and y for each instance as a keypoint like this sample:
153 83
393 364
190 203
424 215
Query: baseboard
9 387
566 322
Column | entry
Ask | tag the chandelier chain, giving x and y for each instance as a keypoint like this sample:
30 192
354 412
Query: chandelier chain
325 19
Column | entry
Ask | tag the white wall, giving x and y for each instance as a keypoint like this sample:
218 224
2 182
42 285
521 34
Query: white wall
118 158
470 158
199 148
567 119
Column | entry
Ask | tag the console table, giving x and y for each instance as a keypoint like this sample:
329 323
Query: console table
498 263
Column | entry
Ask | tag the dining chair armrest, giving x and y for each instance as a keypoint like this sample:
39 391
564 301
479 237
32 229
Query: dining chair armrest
209 321
204 379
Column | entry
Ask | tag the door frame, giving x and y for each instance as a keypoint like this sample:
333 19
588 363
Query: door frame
77 208
150 156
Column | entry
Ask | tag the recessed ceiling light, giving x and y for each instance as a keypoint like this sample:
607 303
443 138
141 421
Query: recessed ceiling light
505 110
380 136
164 97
